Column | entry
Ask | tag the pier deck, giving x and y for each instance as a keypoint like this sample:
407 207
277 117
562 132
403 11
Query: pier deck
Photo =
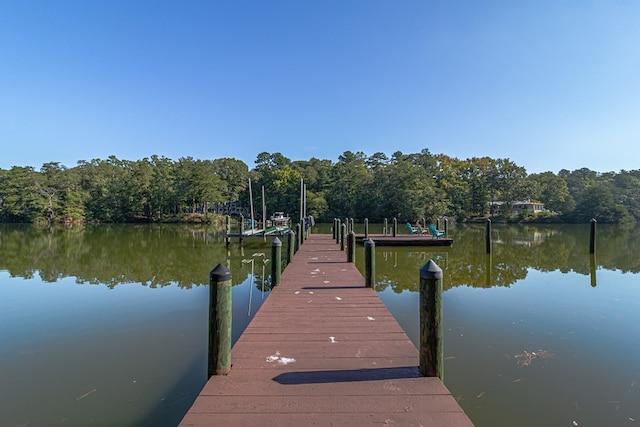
324 350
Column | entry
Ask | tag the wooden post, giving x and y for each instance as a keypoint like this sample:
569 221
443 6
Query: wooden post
351 225
303 224
487 236
343 236
369 263
298 237
338 230
290 245
394 230
431 346
351 247
219 362
446 228
437 223
334 229
366 228
592 239
385 226
276 261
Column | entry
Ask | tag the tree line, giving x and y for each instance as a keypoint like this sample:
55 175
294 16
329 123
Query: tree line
405 186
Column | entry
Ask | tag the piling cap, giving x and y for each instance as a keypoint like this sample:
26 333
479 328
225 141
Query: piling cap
220 274
276 242
430 271
369 242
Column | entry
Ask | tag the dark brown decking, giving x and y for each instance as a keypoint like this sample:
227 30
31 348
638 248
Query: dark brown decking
324 350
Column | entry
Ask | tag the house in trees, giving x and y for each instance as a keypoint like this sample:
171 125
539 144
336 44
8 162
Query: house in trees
517 207
230 208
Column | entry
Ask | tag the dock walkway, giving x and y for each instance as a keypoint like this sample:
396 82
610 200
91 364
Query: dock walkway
324 350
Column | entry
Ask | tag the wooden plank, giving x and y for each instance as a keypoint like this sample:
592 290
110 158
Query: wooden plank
324 350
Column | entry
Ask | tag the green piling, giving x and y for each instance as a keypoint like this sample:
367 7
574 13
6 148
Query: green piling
369 263
431 346
351 247
220 310
276 261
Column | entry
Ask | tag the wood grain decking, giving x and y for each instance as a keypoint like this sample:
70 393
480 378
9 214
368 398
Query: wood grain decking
323 350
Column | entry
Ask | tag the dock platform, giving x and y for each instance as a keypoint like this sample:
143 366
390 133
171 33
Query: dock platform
406 240
323 350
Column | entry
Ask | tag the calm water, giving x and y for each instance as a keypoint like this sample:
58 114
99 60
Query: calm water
106 325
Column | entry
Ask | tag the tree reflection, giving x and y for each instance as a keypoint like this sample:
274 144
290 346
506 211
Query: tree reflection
516 250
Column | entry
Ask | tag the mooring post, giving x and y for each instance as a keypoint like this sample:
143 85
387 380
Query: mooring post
338 230
369 263
219 362
487 236
298 237
334 228
303 224
366 228
343 236
351 225
424 222
290 245
394 229
276 261
437 223
385 226
446 228
592 239
431 346
351 247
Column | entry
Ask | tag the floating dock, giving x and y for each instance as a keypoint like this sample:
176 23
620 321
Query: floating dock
323 350
406 240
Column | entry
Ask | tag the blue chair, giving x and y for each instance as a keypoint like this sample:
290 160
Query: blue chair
412 229
436 233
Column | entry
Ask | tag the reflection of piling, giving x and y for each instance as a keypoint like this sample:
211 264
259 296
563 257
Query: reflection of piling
488 236
592 269
488 267
592 238
366 228
351 247
228 229
369 263
431 346
219 362
276 261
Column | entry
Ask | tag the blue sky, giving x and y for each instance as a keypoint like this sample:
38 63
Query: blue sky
549 84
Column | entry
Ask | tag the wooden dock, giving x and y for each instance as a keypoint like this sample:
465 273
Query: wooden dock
323 350
406 240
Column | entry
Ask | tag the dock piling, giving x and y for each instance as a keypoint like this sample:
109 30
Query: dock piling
219 360
369 263
592 238
487 236
431 345
394 229
343 236
276 261
351 247
366 228
290 245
